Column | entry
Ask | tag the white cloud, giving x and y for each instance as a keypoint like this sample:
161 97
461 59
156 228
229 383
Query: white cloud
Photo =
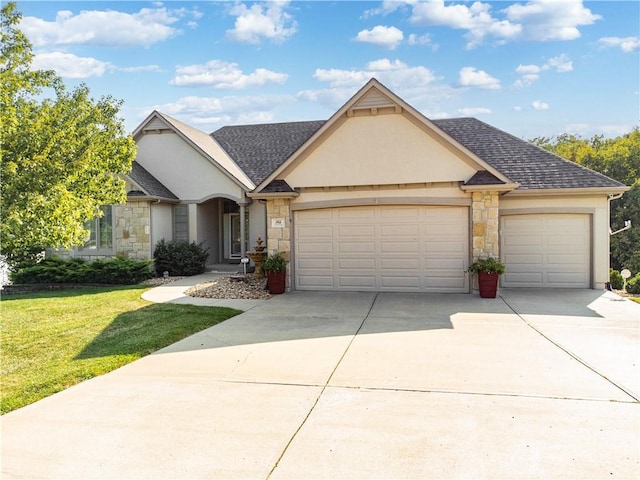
528 75
210 113
268 20
538 105
382 36
394 74
547 20
422 40
626 44
470 111
219 74
561 64
476 19
535 20
142 68
416 84
67 65
471 77
105 28
531 73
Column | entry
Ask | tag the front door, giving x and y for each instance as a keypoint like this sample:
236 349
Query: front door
232 235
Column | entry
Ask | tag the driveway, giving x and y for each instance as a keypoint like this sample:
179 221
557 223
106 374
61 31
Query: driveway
534 384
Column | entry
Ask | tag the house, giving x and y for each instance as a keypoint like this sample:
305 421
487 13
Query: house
376 198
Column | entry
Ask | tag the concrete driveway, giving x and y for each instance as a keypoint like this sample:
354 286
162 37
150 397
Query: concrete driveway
534 384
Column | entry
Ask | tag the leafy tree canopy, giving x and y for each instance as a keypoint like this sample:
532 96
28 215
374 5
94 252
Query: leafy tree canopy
618 158
63 153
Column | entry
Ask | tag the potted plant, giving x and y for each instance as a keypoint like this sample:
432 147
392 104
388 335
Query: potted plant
488 270
275 267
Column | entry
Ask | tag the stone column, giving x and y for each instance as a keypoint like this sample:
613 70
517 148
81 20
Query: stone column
279 230
485 210
279 226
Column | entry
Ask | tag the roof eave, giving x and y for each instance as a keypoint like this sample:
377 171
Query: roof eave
268 195
569 191
502 187
152 198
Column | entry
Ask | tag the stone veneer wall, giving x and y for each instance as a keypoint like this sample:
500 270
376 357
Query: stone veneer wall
132 235
133 230
485 210
279 238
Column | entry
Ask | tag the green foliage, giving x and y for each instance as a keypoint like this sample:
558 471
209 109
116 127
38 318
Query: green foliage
275 262
488 265
633 285
63 153
618 158
179 258
616 280
118 271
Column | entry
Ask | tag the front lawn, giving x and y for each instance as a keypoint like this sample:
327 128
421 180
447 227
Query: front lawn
51 341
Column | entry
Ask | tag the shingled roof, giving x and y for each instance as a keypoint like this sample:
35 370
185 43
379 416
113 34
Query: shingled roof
522 162
151 185
259 149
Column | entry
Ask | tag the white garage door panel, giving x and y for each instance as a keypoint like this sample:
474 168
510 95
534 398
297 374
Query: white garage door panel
546 250
383 248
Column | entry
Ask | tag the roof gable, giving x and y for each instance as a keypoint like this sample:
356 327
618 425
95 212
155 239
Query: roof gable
205 144
373 99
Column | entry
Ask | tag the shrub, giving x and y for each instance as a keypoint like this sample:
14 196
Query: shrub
274 263
488 265
180 258
118 271
633 285
617 282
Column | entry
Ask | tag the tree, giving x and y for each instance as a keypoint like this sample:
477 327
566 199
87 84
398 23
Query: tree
63 153
618 158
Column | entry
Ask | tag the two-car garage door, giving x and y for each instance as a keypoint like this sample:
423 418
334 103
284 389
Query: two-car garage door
382 248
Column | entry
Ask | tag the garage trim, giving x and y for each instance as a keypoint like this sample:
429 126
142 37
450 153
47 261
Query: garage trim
371 201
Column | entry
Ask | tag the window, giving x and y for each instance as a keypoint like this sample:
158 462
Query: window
181 223
100 230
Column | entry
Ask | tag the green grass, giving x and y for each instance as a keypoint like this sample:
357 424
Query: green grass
635 299
51 341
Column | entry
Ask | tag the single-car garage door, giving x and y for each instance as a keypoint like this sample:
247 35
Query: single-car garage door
546 250
382 248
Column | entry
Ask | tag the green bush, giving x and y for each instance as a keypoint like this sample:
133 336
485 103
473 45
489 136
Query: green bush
117 271
633 285
179 258
274 263
617 282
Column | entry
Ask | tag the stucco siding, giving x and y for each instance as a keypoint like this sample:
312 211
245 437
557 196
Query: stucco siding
182 169
378 150
161 223
257 223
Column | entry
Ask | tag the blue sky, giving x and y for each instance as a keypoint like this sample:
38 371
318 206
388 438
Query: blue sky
533 68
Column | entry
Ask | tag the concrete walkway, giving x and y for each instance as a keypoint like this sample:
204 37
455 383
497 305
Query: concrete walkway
534 384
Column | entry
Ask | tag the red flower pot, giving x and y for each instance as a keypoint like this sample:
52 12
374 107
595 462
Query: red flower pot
488 284
276 281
